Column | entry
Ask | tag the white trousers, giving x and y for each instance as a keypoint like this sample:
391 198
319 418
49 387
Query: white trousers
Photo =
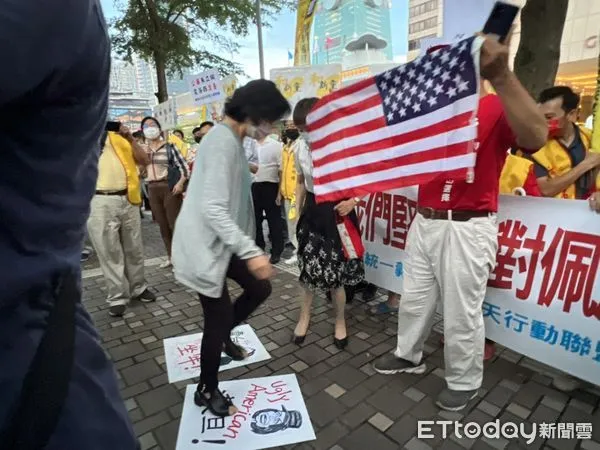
115 230
291 224
448 261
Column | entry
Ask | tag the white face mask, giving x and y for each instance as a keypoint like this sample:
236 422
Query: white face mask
151 132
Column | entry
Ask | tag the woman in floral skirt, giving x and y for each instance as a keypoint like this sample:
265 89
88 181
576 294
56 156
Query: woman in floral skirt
323 266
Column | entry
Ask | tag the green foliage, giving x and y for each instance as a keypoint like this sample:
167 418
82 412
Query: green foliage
177 34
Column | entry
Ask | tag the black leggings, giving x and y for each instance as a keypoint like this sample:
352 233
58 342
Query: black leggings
221 316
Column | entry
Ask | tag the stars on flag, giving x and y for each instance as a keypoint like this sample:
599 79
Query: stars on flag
429 83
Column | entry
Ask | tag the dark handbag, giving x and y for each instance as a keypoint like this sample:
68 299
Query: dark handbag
173 172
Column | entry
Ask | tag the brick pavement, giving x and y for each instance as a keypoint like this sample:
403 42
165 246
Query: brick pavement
351 407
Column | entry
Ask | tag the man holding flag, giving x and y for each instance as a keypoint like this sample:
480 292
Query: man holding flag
430 123
452 243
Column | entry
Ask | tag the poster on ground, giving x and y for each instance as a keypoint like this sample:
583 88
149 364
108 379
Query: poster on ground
543 298
271 413
296 83
182 353
206 87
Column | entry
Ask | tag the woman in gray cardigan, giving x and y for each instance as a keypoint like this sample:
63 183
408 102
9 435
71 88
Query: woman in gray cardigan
215 231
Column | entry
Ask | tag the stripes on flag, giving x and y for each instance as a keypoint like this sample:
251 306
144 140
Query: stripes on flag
399 128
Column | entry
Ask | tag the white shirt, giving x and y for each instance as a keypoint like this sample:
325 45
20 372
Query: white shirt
269 161
589 123
304 163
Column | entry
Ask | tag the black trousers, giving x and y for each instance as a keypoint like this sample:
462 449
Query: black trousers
264 195
221 316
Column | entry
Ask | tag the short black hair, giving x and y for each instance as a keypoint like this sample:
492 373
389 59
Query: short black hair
570 100
302 109
257 101
178 131
202 125
147 118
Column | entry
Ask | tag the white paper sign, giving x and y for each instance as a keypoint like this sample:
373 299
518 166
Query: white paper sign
182 353
166 113
543 299
271 413
206 87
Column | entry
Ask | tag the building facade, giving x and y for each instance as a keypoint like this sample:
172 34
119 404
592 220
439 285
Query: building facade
425 19
339 22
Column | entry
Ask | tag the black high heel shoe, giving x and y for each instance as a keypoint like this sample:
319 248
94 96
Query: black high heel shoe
234 351
299 340
217 404
340 343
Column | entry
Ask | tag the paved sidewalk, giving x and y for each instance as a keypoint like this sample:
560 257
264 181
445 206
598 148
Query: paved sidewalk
351 407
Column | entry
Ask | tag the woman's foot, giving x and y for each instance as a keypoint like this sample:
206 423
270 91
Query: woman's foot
301 330
166 264
340 338
236 352
216 402
383 308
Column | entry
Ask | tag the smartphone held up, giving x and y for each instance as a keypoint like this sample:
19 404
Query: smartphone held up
500 21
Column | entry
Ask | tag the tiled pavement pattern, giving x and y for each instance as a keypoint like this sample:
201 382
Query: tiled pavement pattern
351 407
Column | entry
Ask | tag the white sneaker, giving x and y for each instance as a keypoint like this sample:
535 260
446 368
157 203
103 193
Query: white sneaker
565 383
166 264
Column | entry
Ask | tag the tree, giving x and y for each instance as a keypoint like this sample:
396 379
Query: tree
538 56
177 34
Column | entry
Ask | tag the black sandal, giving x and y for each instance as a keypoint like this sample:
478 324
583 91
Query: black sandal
234 351
217 404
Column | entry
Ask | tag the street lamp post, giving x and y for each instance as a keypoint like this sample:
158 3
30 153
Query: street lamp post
261 56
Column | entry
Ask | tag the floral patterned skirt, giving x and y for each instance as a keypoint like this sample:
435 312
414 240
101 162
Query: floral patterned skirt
321 259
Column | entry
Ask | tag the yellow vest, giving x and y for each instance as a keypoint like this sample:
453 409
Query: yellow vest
124 152
552 156
288 173
181 146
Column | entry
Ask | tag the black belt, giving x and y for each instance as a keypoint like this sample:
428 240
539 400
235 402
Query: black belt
455 215
122 192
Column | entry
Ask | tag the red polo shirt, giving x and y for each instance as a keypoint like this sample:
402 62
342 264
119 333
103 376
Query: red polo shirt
495 138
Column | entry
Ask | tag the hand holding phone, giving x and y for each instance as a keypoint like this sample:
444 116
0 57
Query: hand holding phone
500 21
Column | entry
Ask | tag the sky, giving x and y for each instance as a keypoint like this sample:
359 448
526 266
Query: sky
279 38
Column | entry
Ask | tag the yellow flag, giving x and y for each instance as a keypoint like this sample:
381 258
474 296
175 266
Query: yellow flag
304 19
596 113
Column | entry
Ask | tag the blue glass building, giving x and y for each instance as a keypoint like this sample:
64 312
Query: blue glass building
338 22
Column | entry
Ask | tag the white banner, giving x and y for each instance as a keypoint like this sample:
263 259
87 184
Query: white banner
543 299
182 353
271 413
166 113
206 87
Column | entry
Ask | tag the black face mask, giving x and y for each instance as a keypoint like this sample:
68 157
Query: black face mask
291 134
197 139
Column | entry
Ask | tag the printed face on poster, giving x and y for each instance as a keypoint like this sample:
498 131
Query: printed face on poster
166 113
296 83
182 353
272 413
206 87
543 297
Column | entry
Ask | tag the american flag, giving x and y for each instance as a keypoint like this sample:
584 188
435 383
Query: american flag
400 128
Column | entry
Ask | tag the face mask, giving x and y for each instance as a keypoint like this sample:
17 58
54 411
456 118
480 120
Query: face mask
151 132
197 139
554 129
258 132
292 134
